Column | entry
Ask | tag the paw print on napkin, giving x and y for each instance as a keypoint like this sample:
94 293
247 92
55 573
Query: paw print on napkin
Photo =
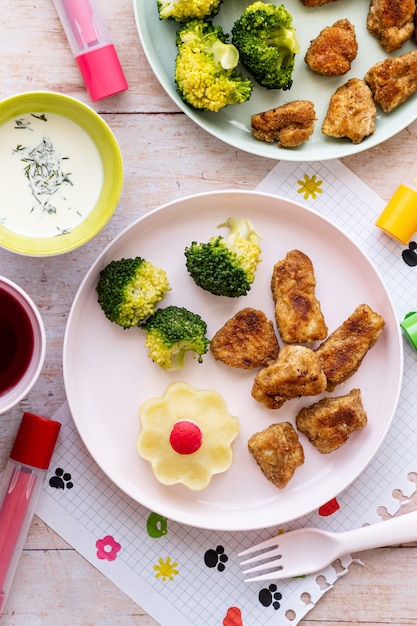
270 596
410 255
216 558
61 479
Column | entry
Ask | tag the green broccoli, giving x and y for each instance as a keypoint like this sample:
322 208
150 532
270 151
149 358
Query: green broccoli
129 289
187 10
267 44
226 266
205 68
173 331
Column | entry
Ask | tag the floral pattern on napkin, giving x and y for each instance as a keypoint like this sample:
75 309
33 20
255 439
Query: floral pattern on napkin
192 577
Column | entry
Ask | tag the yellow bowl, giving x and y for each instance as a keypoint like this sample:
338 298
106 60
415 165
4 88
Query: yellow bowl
95 127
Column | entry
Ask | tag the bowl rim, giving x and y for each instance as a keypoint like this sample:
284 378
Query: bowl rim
112 162
13 396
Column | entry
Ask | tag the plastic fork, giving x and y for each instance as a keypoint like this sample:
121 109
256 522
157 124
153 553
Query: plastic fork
307 550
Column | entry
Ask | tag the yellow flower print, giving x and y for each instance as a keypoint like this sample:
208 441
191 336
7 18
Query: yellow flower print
310 187
165 569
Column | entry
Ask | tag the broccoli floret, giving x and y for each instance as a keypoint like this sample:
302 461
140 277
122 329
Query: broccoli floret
187 10
129 289
267 44
205 68
173 331
226 266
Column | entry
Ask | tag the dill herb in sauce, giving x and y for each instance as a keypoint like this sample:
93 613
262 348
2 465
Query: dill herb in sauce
51 174
43 169
22 124
41 116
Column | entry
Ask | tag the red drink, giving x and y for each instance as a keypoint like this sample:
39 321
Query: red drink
16 340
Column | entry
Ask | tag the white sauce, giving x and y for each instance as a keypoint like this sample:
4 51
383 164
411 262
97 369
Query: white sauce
51 175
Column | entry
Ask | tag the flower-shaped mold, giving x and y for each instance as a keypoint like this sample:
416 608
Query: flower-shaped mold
187 435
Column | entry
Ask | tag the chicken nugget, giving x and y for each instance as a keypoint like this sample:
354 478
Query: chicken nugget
315 3
297 311
289 124
329 422
341 354
296 372
351 112
393 80
391 22
246 341
331 53
278 452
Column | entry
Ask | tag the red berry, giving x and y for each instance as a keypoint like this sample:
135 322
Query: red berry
185 437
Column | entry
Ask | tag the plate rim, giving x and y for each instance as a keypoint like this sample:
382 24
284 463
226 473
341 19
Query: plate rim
342 148
184 518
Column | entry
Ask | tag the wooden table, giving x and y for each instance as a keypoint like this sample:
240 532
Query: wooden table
166 156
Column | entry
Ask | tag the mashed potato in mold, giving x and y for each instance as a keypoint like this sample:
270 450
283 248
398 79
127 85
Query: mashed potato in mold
186 435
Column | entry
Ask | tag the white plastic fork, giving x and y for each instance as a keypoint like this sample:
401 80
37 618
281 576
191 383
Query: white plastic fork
307 550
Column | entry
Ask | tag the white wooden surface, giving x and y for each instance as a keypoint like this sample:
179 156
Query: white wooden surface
166 156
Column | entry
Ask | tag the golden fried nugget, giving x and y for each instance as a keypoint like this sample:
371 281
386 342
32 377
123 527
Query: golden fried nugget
415 22
391 22
341 354
297 311
296 372
267 398
393 80
246 341
315 3
351 112
329 422
331 53
289 124
278 452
